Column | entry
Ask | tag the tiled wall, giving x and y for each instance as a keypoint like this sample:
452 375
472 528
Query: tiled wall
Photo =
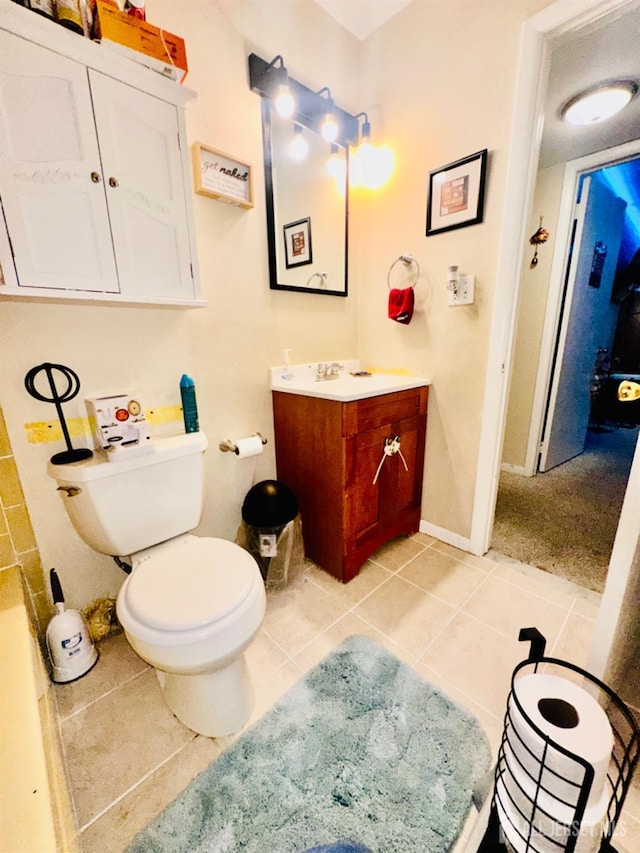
17 542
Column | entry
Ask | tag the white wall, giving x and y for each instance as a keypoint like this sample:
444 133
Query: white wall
534 291
439 80
438 84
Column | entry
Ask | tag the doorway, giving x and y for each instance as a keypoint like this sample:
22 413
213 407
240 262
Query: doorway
563 416
609 654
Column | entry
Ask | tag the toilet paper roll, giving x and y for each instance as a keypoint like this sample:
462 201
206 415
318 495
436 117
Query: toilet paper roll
572 718
248 446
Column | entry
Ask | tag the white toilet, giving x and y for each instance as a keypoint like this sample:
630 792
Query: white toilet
191 605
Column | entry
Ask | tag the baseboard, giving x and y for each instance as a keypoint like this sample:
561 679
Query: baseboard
445 535
513 469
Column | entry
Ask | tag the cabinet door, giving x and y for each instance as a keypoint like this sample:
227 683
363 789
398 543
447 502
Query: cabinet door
400 486
396 492
364 453
142 167
50 177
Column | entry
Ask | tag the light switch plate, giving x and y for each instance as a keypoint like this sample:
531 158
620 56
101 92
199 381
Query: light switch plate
465 292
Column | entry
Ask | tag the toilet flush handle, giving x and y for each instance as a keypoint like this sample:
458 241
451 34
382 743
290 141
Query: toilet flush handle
71 491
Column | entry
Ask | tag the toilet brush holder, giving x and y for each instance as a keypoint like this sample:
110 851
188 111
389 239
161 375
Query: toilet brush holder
69 642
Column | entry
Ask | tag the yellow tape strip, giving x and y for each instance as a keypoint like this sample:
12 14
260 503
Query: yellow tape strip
163 415
391 371
50 431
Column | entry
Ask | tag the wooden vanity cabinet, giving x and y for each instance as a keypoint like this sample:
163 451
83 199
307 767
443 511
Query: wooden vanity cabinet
328 453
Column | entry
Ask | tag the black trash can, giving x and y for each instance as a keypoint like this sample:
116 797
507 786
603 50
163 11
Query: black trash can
271 531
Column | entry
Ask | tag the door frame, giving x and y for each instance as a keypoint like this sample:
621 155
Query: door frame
544 377
560 17
532 77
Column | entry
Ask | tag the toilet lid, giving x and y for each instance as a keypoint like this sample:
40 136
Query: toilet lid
195 583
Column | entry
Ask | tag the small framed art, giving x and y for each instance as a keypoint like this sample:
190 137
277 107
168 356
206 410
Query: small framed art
456 194
297 243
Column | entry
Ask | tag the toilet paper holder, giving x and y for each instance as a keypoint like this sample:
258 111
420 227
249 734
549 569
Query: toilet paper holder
228 446
505 815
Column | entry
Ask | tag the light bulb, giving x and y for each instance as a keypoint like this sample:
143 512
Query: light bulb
355 170
299 147
366 153
337 167
374 166
285 104
384 165
330 128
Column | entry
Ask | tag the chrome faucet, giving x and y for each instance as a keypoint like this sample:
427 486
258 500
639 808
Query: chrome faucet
325 371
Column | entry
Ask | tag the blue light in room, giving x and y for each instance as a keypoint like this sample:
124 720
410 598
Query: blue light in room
624 180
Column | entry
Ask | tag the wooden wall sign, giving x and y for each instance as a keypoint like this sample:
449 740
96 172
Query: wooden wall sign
221 176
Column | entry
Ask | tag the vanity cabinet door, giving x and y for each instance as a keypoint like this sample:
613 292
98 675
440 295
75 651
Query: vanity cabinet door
51 184
140 147
384 496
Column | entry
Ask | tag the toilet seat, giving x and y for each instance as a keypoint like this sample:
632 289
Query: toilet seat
197 582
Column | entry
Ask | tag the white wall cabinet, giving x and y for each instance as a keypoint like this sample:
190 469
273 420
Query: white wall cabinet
95 186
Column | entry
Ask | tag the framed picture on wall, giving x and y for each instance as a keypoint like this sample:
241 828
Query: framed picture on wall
456 194
297 243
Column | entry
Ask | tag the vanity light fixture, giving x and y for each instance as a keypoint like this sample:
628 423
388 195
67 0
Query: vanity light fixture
599 102
284 101
330 128
365 136
310 107
299 147
372 165
363 154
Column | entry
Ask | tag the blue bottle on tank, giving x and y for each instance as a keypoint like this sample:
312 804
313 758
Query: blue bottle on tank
189 403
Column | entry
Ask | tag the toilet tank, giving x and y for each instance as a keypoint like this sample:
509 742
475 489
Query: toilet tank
119 508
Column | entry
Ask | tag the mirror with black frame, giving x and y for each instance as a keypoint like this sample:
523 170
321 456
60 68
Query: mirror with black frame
307 195
307 208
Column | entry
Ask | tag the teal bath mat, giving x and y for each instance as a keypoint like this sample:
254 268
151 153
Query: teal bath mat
361 749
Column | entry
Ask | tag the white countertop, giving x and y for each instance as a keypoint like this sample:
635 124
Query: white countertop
346 387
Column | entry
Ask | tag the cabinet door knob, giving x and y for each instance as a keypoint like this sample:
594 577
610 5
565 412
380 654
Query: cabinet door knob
113 182
95 177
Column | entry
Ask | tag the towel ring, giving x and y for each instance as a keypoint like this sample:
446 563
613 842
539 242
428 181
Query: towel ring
321 275
407 260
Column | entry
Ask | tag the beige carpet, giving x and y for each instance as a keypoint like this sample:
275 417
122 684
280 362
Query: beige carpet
565 521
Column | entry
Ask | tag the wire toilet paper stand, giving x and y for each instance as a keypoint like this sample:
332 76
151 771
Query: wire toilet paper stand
529 795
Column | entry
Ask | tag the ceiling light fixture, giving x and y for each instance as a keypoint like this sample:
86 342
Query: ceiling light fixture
329 127
599 103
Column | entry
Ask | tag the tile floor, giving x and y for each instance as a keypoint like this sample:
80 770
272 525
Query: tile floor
453 617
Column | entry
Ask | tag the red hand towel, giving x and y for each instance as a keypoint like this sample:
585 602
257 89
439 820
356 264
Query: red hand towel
401 305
